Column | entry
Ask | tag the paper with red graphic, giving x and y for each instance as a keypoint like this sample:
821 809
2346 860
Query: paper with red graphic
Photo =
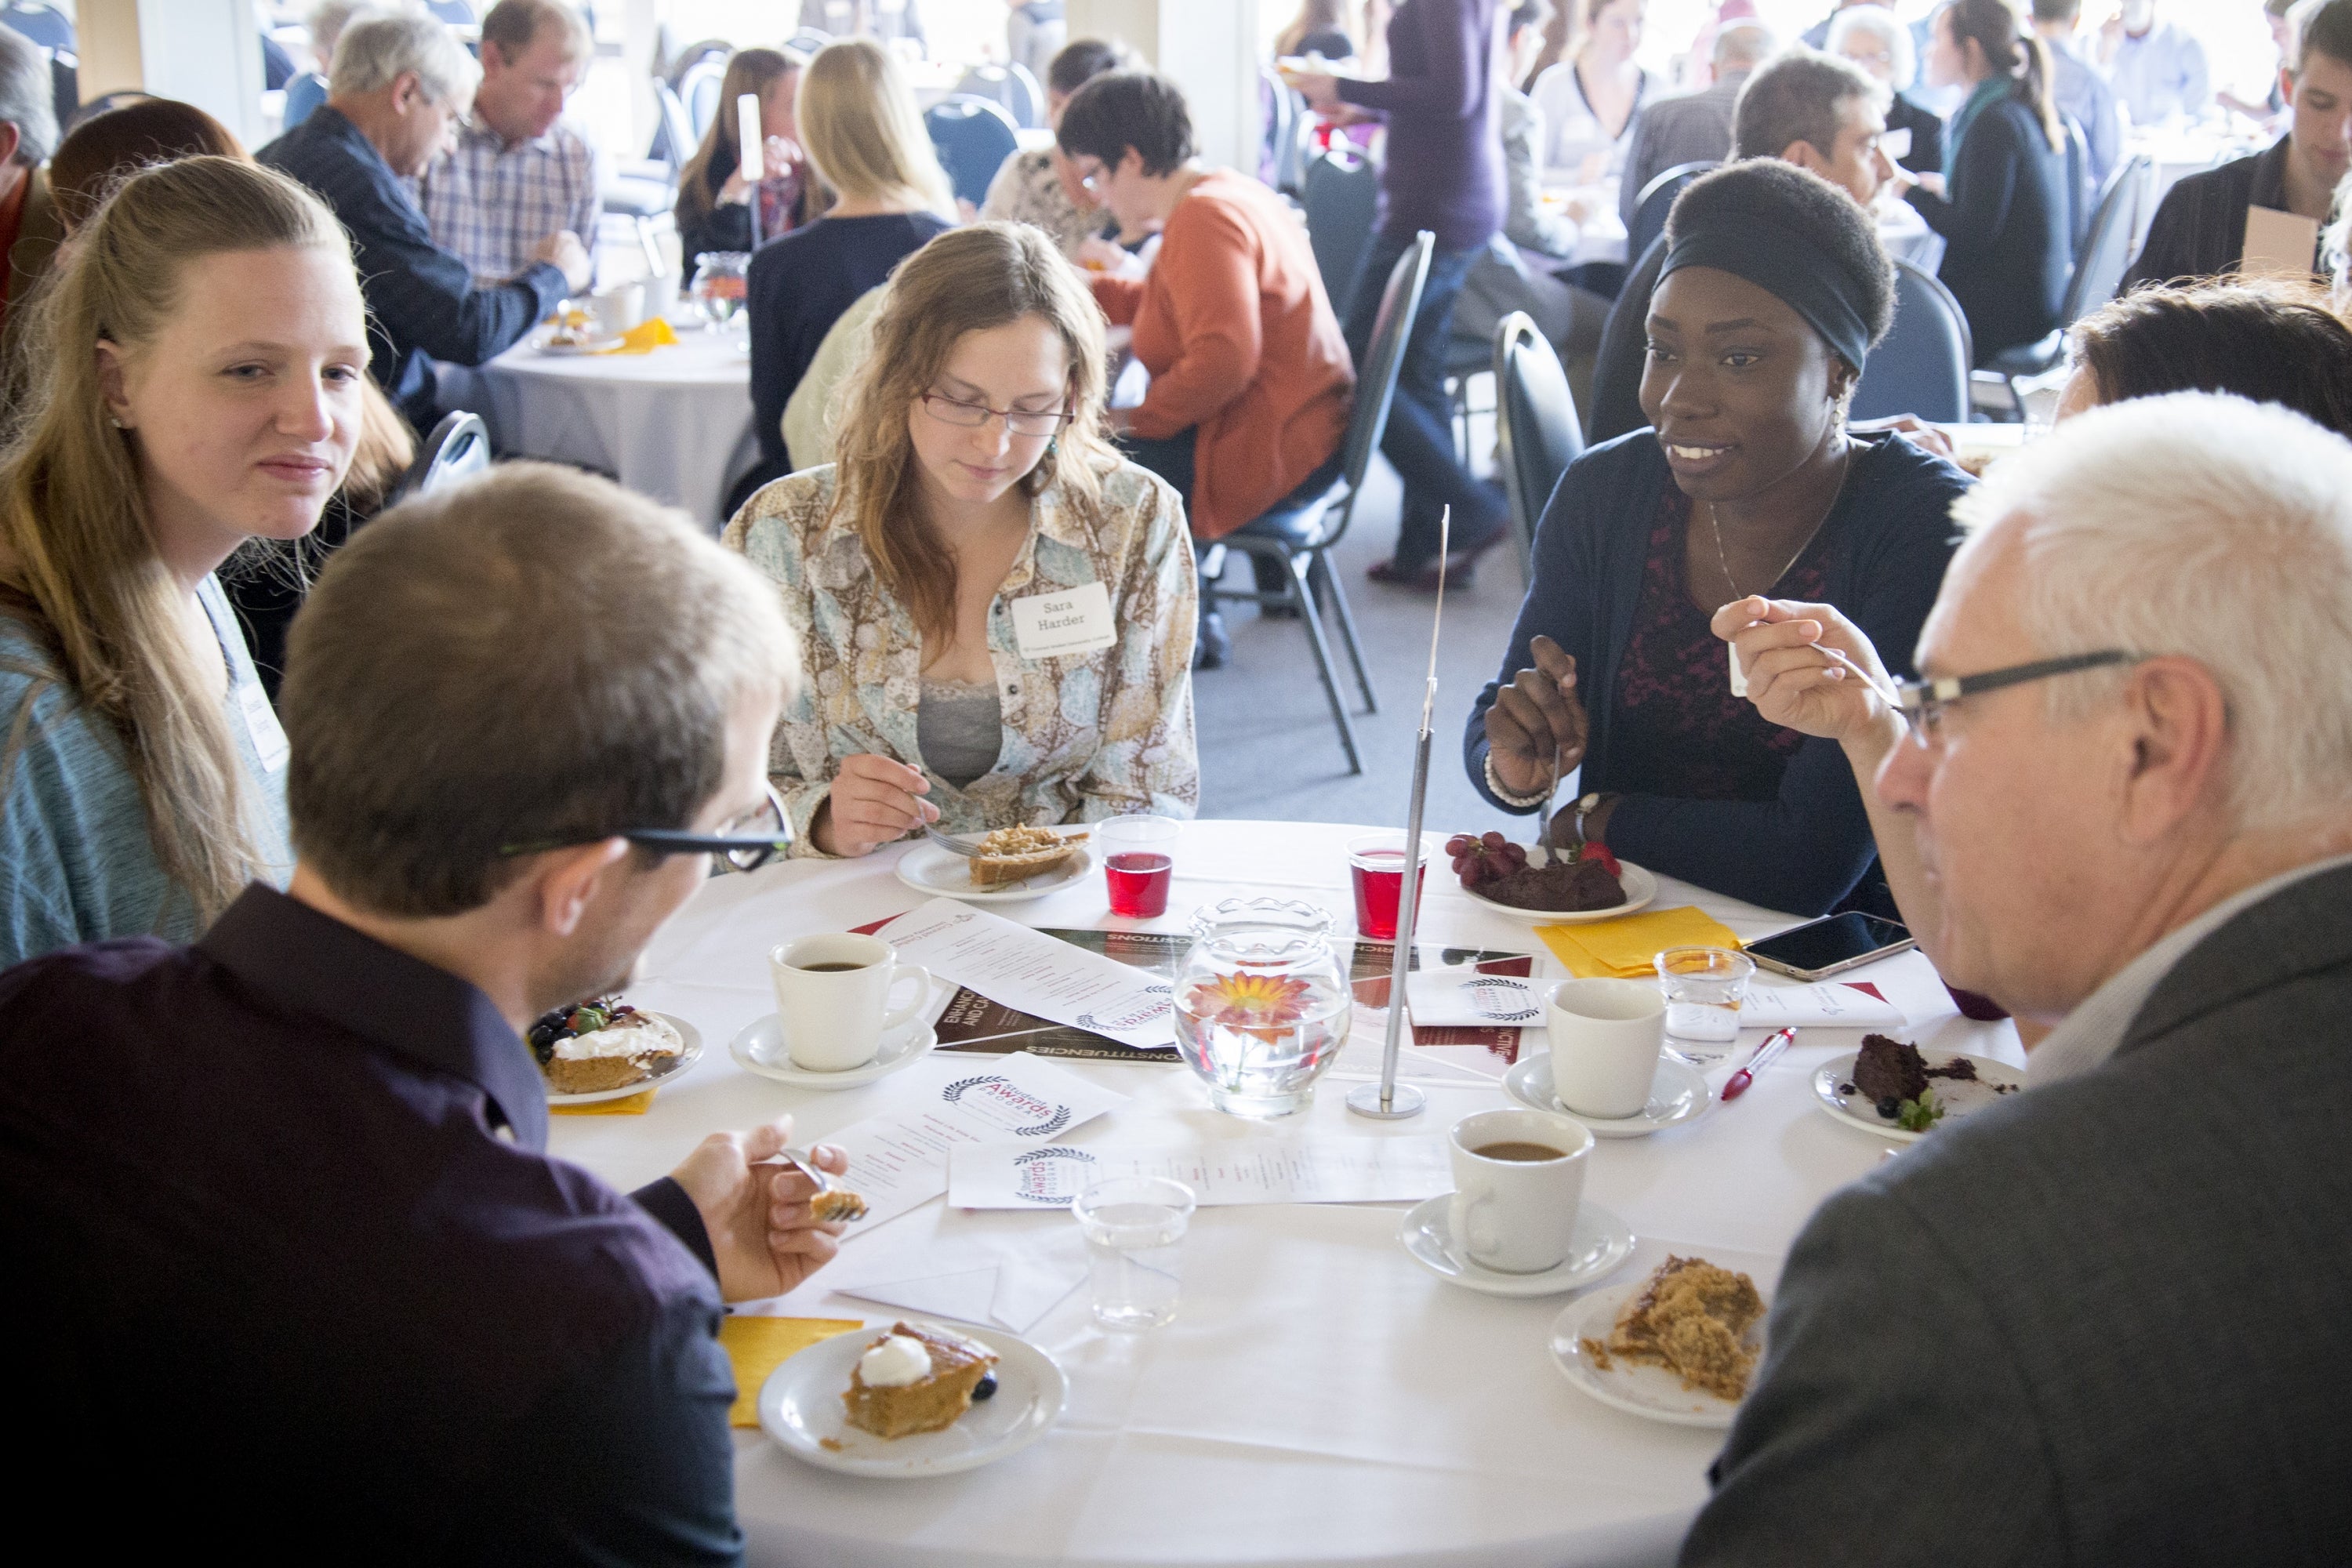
1023 969
1219 1171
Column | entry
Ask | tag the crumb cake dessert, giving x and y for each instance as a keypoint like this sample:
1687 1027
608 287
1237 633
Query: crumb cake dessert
840 1204
916 1378
1570 881
602 1045
1692 1318
1014 854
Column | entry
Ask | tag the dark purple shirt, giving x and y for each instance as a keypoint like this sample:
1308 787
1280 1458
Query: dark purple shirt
1444 170
282 1226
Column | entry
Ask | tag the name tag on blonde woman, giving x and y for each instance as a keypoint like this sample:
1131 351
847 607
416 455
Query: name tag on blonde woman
1065 621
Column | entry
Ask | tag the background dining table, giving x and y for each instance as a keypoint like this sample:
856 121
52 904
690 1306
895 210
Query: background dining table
1319 1398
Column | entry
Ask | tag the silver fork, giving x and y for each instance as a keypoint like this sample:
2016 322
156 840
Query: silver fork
804 1162
944 842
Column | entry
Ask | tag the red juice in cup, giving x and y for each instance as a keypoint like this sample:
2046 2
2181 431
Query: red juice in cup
1139 882
1378 872
1138 862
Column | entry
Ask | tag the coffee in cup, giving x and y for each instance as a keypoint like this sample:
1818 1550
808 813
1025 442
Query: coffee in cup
833 998
1518 1177
1606 1035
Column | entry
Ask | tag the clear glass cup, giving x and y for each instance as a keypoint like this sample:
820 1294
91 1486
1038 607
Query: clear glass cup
719 285
1705 988
1138 862
1134 1228
1262 1004
1376 868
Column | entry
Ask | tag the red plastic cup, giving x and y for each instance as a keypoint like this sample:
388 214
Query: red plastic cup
1376 867
1138 864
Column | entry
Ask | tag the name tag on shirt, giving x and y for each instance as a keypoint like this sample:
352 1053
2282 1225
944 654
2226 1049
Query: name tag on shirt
2278 245
262 728
1067 621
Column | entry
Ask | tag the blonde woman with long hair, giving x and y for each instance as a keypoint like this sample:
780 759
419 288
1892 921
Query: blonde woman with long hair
865 141
976 481
199 370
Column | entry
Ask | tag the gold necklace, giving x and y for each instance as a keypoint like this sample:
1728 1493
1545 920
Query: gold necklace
1714 526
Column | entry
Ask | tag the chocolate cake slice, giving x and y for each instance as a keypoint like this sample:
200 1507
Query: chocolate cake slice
1576 886
1888 1072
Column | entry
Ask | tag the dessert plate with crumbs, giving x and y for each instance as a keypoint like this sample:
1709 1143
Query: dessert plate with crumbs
1958 1086
662 1069
931 868
1604 1343
800 1407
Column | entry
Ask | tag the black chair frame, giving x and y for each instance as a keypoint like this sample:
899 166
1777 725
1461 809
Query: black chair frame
1532 455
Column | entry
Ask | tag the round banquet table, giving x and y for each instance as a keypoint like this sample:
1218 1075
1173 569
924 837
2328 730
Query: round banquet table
673 423
1319 1398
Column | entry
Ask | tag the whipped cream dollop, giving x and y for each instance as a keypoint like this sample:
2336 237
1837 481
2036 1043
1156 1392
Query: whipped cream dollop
896 1362
642 1034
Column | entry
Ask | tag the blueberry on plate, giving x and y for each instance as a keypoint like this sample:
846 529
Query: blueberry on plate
984 1389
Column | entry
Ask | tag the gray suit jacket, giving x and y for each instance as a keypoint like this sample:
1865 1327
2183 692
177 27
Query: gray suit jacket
2107 1323
1692 127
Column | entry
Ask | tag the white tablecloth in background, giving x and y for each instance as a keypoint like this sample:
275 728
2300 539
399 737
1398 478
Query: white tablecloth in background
1319 1398
1603 236
674 424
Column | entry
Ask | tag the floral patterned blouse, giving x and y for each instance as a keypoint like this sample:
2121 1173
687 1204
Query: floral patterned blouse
1027 190
1086 736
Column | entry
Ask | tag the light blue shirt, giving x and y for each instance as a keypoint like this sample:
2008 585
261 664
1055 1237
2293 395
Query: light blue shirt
303 94
77 863
2160 74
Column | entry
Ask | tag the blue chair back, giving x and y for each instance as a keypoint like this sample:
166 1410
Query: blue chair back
1657 199
1341 194
1535 421
1375 381
973 138
808 40
698 88
458 446
674 140
1922 367
2108 248
1011 88
1277 153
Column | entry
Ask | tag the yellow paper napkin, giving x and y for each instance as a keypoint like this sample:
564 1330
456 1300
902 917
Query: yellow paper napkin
636 1104
759 1345
648 335
1628 946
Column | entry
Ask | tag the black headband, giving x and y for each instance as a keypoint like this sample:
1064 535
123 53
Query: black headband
1788 266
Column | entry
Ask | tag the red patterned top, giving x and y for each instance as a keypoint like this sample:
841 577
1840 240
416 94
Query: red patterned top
1679 732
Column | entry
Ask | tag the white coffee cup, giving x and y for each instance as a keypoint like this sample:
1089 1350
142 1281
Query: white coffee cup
1517 1215
1605 1039
617 308
833 998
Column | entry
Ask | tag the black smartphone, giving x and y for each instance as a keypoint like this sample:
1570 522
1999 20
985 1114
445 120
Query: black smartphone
1830 946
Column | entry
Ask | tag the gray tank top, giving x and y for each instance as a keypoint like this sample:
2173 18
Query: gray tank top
959 728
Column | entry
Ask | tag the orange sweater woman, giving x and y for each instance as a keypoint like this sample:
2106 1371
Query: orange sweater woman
1250 376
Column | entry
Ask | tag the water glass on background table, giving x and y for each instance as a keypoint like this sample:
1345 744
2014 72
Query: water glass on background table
719 285
1135 1229
1138 863
1705 988
1376 866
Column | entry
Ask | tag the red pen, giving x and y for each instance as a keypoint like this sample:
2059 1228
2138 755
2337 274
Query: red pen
1774 1044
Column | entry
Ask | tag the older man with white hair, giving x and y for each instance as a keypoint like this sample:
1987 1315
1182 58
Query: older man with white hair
397 85
2102 1321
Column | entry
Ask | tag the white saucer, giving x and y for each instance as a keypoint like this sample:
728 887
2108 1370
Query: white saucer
1637 1388
801 1408
1601 1244
1960 1100
929 868
682 1064
1677 1094
759 1046
1641 890
562 350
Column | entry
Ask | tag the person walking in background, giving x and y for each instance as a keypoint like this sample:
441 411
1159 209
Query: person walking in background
1034 32
517 172
1693 127
1872 38
2081 93
864 140
2006 204
1038 187
2157 68
714 202
1442 99
400 81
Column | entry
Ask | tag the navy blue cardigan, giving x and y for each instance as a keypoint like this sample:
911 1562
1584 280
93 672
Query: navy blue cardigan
2008 227
1884 548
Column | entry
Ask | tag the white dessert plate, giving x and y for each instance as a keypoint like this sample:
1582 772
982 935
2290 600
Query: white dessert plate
1600 1245
1995 1081
678 1068
800 1407
562 349
1637 1388
1677 1094
1641 890
759 1046
929 868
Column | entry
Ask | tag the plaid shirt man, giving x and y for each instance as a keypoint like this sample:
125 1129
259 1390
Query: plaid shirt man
492 204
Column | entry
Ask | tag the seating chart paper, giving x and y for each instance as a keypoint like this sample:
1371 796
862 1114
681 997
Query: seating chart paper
1224 1171
1009 963
899 1159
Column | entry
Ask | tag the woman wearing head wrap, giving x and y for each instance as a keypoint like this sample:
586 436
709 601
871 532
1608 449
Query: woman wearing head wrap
1774 289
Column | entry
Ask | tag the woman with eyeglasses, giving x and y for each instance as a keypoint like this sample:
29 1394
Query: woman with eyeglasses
995 611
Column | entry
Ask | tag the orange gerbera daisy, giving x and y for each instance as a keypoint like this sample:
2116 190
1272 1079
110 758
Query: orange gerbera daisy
1265 1005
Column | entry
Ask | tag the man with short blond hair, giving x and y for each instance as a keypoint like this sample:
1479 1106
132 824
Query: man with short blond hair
2099 1323
285 1190
518 173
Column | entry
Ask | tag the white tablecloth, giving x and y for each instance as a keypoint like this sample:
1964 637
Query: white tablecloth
1602 235
674 424
1319 1398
